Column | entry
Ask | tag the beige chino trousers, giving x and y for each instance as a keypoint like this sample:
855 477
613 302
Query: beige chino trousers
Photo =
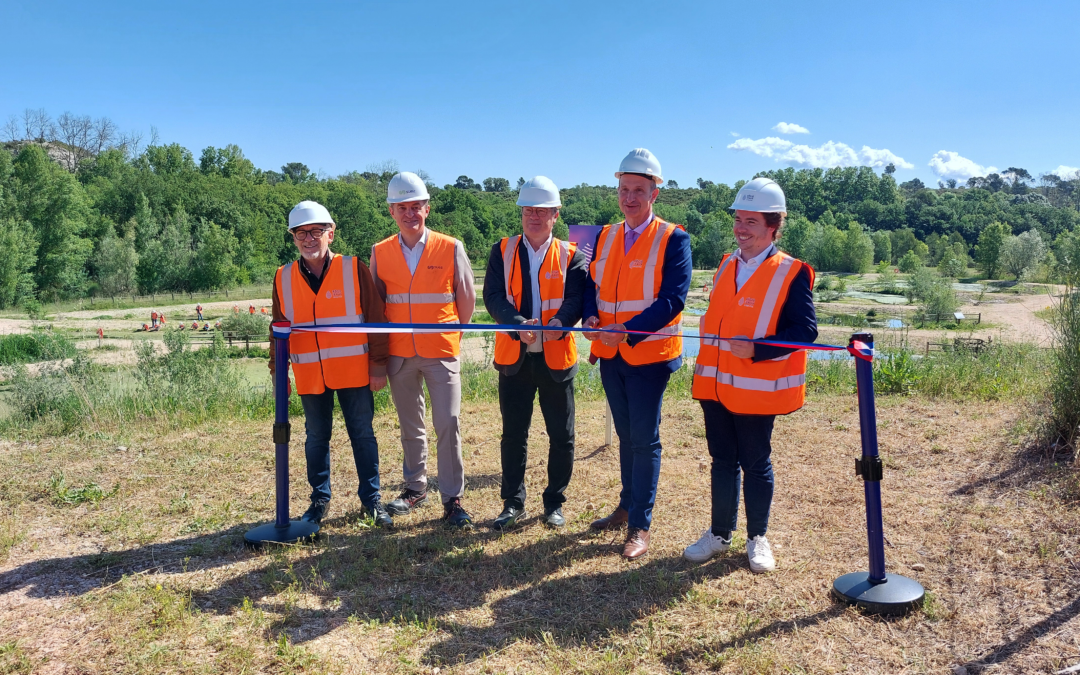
443 377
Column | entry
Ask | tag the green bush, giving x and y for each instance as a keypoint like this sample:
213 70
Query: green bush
1064 421
39 345
247 325
910 262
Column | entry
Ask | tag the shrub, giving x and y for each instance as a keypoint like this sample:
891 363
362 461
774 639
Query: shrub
247 325
910 262
1064 422
39 345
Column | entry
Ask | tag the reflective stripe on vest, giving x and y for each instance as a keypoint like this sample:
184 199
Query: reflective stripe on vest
329 353
766 387
618 298
750 383
558 354
424 295
336 302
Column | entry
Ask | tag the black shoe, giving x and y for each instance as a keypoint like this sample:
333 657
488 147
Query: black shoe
455 516
406 502
378 513
554 517
508 518
315 512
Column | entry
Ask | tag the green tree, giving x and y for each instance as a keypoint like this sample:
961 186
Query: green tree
882 246
52 201
1020 254
988 250
910 263
212 262
858 249
17 263
116 262
496 185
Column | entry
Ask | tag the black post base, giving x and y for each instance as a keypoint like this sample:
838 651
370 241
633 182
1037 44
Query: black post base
297 531
896 596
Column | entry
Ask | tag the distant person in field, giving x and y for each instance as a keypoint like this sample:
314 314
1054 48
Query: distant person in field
534 278
153 318
217 326
251 309
758 292
325 288
146 327
425 277
198 311
194 325
236 309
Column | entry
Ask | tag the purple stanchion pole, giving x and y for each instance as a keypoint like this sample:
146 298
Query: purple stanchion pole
283 530
873 591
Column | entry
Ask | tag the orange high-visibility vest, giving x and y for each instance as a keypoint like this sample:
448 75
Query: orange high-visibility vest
424 297
322 361
773 387
627 284
558 354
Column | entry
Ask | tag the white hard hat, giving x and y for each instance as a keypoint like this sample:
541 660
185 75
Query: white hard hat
307 212
539 191
641 161
761 195
406 187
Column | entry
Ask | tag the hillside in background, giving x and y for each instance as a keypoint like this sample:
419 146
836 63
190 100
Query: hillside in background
98 215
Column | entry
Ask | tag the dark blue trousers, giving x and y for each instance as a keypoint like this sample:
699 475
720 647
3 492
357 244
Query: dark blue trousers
739 442
635 394
358 408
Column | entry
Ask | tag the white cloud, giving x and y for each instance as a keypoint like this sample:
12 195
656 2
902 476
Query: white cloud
824 156
948 164
735 134
1067 172
785 128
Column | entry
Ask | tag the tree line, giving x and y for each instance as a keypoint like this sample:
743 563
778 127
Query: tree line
88 210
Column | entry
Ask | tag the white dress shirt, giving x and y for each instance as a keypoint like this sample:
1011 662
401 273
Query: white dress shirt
412 255
536 261
745 269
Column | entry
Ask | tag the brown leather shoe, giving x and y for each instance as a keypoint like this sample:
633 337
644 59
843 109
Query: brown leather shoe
616 520
637 543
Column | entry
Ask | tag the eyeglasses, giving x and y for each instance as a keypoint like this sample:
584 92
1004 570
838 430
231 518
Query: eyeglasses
317 233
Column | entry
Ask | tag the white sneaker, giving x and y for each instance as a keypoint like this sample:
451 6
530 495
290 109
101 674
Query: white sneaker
760 554
706 547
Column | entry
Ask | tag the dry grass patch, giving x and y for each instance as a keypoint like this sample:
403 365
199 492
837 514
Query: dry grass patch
153 577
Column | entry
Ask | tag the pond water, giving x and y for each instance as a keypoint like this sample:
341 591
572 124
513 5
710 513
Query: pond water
883 298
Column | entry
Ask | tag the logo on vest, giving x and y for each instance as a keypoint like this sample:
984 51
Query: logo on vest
434 267
552 275
335 293
635 264
747 302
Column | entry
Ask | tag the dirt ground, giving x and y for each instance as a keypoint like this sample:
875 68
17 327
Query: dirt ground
154 578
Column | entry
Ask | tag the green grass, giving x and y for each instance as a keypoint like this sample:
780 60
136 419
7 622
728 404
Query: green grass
253 292
32 347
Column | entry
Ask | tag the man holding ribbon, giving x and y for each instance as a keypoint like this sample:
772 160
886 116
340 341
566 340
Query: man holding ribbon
425 277
534 278
758 293
639 280
323 288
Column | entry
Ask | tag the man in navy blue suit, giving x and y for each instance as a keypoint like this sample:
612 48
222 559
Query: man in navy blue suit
638 281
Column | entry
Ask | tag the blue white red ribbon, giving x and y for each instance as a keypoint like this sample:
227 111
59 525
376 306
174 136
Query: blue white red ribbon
858 349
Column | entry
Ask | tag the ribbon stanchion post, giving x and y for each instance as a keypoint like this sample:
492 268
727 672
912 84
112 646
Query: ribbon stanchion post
875 591
283 530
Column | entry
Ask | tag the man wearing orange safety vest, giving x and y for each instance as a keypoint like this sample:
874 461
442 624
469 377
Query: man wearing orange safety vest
322 288
425 277
534 278
640 277
758 292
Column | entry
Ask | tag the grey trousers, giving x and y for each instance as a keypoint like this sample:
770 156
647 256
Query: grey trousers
443 377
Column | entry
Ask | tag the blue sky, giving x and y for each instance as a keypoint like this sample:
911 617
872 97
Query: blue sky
567 89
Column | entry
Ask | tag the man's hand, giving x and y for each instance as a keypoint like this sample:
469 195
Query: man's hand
613 339
741 349
591 322
376 382
528 336
550 335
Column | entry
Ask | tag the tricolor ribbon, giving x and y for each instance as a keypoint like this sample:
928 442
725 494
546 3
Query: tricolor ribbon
858 349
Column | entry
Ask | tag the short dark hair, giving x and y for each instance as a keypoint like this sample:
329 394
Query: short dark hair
643 175
776 221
